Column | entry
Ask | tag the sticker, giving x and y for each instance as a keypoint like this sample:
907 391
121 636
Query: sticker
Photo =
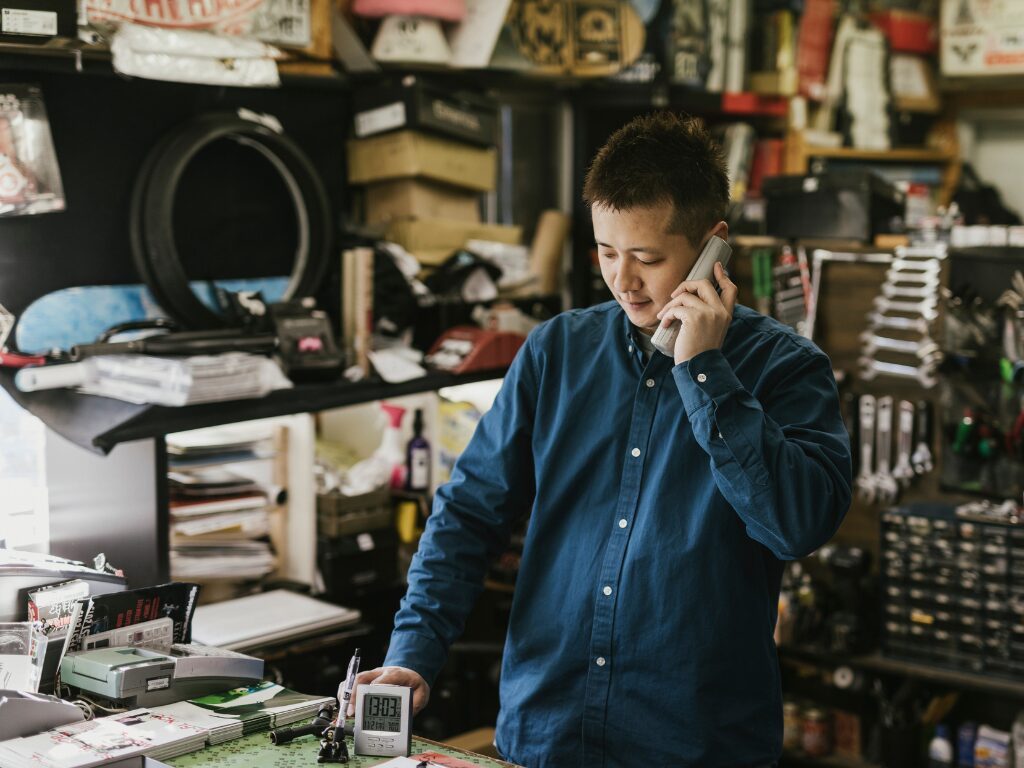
365 542
18 21
380 119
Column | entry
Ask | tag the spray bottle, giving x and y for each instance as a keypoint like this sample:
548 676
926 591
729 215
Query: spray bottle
391 447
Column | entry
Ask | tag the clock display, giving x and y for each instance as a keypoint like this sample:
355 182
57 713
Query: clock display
382 713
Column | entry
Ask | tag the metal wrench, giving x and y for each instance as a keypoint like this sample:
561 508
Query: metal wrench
924 374
887 490
915 265
926 308
926 291
879 320
924 349
922 456
903 471
918 278
865 481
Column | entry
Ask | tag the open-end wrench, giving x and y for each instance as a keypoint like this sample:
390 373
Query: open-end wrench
917 278
866 477
923 349
903 471
924 374
915 265
926 291
886 487
922 456
926 308
934 251
879 321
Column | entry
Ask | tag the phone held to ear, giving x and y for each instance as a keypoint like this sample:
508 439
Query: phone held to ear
716 250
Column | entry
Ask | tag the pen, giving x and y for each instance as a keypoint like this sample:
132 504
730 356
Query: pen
350 683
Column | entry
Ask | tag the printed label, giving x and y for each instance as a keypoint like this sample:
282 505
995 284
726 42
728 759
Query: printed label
380 119
18 21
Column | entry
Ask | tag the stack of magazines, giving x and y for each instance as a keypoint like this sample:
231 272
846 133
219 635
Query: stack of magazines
162 732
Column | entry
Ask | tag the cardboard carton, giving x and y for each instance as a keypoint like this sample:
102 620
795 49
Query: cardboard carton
408 153
419 199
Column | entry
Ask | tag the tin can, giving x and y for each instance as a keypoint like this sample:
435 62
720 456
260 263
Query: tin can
815 737
792 726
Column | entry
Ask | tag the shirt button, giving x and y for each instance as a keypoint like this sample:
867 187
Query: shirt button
607 591
623 523
649 383
702 377
599 661
630 347
635 452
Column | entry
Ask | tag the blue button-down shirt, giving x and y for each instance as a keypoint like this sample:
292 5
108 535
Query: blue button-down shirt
663 500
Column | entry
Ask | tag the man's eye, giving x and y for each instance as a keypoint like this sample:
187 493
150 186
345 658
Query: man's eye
648 263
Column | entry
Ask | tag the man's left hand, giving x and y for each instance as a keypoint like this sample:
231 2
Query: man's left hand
704 316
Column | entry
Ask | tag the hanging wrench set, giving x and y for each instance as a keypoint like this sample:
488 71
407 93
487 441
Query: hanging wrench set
882 423
898 342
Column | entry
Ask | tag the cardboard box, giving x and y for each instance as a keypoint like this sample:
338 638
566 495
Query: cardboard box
908 32
414 103
408 153
432 241
417 199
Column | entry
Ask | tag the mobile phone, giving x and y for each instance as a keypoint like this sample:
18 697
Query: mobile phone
716 250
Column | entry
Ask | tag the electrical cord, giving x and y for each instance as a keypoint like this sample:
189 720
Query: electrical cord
152 211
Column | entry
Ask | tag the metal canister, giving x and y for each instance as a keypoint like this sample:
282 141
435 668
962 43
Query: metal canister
815 737
792 726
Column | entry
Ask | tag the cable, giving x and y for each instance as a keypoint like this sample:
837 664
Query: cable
151 220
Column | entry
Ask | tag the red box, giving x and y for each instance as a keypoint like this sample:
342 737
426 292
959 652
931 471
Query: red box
907 31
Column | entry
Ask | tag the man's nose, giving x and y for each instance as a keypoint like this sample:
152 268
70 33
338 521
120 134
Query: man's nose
627 279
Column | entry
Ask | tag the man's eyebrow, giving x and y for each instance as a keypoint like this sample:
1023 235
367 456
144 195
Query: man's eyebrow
633 249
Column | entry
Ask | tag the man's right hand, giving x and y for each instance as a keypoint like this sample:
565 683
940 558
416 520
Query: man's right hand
395 676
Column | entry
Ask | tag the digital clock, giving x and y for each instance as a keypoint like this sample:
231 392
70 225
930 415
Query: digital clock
383 720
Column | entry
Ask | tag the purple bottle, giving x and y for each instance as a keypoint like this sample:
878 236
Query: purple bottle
417 457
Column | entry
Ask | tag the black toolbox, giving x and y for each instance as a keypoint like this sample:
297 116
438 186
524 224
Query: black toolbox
850 205
422 105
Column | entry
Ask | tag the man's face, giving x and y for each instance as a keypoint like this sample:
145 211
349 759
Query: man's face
641 261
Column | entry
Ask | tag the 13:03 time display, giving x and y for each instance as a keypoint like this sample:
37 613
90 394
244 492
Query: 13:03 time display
382 713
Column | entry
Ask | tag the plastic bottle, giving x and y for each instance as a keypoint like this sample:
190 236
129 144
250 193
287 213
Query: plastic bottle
391 446
940 751
417 457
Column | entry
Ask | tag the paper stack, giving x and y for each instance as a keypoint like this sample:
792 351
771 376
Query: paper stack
240 711
220 515
94 742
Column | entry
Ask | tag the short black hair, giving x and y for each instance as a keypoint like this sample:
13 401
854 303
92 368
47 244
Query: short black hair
662 158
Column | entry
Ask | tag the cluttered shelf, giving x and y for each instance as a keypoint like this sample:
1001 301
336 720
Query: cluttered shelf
876 662
102 423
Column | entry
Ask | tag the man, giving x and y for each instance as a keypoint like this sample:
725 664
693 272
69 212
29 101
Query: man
664 494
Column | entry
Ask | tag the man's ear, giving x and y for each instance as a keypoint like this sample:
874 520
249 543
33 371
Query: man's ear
721 229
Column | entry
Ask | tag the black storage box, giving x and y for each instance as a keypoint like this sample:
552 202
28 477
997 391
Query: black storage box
852 205
353 566
37 21
414 103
